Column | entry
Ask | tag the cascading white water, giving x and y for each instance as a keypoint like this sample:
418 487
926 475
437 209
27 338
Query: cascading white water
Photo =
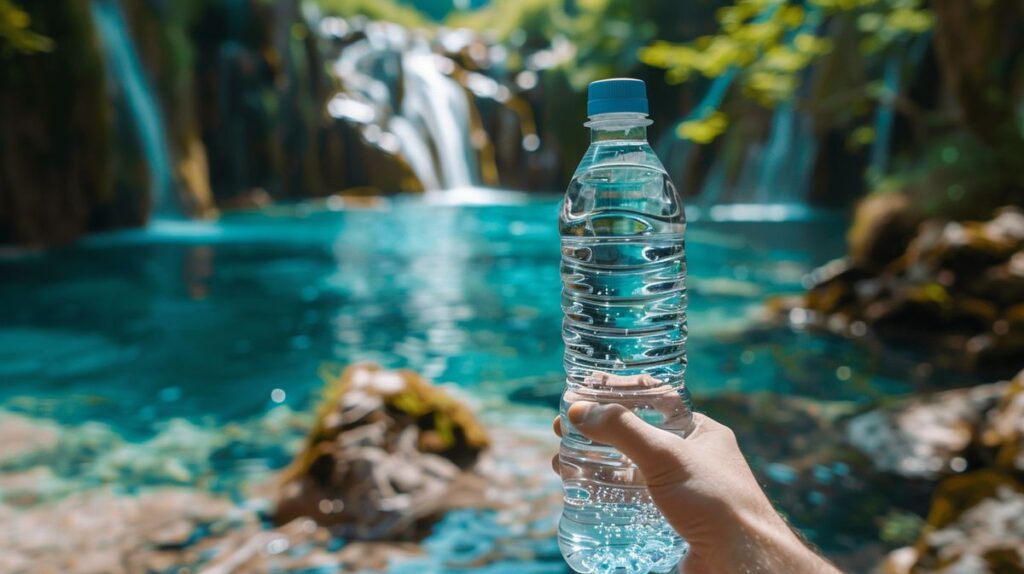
775 172
438 103
787 158
430 122
125 72
415 150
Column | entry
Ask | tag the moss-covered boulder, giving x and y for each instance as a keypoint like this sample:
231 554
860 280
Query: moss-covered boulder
883 226
385 458
957 285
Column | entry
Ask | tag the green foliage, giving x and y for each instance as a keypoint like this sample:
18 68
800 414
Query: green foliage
588 39
607 35
386 10
898 527
525 22
768 44
15 35
704 129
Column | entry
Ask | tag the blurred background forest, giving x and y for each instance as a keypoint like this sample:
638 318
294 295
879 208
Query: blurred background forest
113 112
209 207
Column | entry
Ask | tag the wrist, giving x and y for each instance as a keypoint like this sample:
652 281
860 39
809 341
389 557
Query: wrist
757 540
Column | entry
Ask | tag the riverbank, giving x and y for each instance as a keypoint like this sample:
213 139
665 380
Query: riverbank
954 288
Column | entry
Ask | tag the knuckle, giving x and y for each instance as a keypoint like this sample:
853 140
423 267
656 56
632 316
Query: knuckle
665 475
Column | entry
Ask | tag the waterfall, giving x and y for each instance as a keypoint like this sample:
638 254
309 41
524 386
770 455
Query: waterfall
885 115
437 102
774 172
415 150
787 159
125 72
395 82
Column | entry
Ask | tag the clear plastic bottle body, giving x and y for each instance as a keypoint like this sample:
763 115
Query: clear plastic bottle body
624 304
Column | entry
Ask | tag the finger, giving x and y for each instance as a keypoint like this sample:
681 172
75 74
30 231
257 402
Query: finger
701 424
656 452
557 425
705 423
555 465
706 428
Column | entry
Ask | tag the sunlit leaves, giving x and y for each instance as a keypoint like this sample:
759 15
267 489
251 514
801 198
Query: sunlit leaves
811 44
768 44
883 28
710 57
861 137
703 130
791 16
386 10
910 20
753 38
593 39
15 33
843 5
769 88
785 59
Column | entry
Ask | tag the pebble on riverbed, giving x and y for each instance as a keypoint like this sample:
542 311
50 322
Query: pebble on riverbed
59 517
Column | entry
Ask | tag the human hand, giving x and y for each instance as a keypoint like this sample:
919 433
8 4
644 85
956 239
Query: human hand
705 489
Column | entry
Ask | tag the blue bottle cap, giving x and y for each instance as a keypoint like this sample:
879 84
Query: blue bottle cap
616 95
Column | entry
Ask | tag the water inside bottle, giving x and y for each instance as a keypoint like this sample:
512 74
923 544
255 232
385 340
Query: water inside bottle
624 303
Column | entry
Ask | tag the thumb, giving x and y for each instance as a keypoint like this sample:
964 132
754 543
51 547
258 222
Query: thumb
654 451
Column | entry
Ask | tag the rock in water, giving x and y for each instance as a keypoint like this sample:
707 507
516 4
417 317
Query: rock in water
957 286
1003 429
387 451
920 437
976 525
882 227
976 520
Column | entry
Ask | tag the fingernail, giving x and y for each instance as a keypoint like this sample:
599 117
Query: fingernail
578 411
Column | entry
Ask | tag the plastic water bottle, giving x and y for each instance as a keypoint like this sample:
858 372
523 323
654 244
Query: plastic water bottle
624 300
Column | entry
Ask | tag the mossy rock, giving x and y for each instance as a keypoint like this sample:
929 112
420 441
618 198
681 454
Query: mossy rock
957 287
447 427
883 225
976 524
1003 430
957 494
386 454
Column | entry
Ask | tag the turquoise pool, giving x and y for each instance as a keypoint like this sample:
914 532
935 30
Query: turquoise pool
222 321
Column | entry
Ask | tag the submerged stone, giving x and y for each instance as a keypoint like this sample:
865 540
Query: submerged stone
100 531
22 438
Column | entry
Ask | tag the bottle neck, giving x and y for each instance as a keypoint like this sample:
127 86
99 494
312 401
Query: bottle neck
619 127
